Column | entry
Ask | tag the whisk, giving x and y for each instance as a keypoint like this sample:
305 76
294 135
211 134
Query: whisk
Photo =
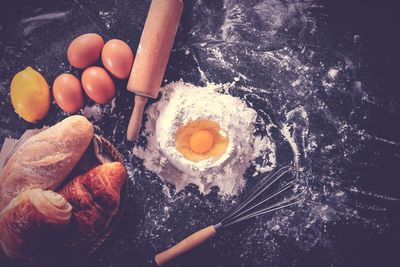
257 203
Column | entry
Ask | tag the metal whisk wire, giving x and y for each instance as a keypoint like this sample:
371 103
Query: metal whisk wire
248 208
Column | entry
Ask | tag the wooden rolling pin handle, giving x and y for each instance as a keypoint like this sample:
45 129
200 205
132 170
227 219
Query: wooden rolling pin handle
136 118
185 245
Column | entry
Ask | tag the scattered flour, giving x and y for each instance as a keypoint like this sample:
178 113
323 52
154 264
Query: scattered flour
332 73
181 103
94 112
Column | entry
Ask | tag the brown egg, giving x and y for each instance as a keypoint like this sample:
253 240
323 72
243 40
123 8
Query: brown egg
117 58
85 50
67 91
98 85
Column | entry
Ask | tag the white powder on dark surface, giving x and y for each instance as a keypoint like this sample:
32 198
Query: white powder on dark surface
305 103
182 103
332 73
94 112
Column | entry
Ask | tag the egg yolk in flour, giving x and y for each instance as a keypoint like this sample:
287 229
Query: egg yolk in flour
201 139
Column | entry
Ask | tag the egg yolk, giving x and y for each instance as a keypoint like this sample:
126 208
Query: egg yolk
201 139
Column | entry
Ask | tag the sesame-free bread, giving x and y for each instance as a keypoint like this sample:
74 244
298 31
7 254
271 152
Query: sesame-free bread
45 159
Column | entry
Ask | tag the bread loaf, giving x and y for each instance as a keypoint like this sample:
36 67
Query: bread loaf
45 159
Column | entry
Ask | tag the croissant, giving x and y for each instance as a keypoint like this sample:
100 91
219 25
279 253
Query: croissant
31 221
95 198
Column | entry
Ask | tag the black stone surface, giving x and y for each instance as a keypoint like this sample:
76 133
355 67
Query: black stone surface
358 114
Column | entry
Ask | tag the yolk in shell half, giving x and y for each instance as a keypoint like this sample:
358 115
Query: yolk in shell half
201 139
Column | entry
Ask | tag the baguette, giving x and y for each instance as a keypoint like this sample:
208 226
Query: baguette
45 159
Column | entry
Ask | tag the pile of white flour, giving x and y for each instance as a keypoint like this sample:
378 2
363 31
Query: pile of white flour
181 103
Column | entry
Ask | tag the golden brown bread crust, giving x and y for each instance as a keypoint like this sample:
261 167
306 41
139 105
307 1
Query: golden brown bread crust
45 159
95 198
31 221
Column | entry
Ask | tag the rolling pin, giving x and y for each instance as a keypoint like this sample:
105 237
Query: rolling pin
152 57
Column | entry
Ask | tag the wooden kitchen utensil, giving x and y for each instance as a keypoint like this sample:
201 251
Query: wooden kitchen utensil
268 195
152 57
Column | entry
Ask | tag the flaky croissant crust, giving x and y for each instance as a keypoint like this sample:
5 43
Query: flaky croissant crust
95 197
29 219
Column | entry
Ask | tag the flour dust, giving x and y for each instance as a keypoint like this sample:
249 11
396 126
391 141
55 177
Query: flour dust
279 59
303 100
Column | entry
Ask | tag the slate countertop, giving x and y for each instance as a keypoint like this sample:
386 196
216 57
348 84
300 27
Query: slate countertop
328 70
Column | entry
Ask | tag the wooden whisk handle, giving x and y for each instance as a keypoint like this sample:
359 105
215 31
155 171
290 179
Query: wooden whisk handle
185 245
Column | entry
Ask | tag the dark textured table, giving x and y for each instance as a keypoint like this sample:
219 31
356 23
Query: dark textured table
325 70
